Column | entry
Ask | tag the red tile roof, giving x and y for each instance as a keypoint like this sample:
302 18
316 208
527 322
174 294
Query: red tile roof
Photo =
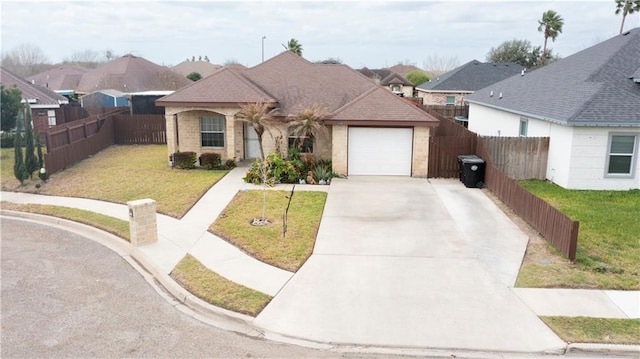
292 82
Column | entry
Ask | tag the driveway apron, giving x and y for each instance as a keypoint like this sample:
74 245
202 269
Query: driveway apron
394 266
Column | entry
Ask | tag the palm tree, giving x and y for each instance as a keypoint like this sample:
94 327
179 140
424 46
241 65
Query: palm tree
626 7
551 25
294 46
260 115
308 122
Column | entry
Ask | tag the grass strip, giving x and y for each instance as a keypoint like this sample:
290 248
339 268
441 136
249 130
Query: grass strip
608 254
121 174
217 290
266 243
595 330
109 224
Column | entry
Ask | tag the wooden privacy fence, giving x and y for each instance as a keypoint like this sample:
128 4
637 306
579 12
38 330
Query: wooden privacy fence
552 224
519 157
444 152
140 129
447 111
72 144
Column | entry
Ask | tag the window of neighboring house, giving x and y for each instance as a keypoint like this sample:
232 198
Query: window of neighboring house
451 100
51 115
212 131
524 126
307 143
395 88
622 153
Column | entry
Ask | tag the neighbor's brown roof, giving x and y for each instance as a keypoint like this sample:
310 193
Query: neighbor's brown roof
204 68
294 82
34 94
63 77
403 70
127 74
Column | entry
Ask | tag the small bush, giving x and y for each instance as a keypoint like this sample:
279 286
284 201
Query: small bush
229 164
210 161
322 173
185 160
278 170
7 141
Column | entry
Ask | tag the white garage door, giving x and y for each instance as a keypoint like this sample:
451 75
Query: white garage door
380 151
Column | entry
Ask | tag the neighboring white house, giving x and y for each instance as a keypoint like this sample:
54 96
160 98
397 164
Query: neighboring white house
589 106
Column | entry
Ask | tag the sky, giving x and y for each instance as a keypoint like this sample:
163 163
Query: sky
375 34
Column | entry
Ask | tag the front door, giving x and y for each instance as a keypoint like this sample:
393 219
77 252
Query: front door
251 143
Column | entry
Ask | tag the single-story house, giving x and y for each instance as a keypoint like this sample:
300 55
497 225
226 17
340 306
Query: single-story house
451 88
588 104
392 81
46 105
104 98
371 130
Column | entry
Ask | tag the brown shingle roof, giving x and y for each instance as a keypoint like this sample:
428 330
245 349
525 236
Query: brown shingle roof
129 74
294 82
380 105
223 87
34 94
64 77
204 68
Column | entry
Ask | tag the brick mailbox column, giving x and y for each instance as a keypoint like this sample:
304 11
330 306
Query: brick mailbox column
142 222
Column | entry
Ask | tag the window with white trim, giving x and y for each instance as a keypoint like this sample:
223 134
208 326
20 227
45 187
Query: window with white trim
524 127
621 156
212 131
51 116
451 100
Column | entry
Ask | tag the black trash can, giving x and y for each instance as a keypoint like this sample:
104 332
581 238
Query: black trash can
460 159
472 169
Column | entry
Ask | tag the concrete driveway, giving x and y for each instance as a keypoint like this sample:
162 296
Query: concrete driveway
411 263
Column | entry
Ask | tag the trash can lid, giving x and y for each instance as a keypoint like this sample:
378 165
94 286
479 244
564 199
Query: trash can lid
472 160
462 157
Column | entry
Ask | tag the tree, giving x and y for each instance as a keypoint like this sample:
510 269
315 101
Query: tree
437 65
626 7
518 51
194 76
417 77
294 46
308 122
25 60
551 26
228 62
19 170
330 61
30 161
260 116
11 104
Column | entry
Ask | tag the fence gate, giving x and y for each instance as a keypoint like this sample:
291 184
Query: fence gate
444 152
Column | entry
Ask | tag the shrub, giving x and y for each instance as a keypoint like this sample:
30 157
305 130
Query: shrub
229 164
278 170
210 161
185 160
7 141
322 172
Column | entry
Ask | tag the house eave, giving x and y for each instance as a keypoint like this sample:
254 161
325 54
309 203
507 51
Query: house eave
200 104
445 91
560 122
374 123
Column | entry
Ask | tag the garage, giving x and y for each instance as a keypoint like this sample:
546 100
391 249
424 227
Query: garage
379 151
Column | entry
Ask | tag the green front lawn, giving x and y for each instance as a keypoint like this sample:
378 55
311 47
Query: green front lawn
267 243
217 290
120 174
595 330
608 254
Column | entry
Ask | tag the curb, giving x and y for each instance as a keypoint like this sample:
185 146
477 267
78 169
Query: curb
242 324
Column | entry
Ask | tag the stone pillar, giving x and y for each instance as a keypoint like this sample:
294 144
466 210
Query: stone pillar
142 222
340 145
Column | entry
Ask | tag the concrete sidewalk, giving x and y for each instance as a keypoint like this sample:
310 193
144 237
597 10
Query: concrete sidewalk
400 262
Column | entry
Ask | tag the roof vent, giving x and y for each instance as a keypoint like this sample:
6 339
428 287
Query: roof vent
491 94
500 95
522 72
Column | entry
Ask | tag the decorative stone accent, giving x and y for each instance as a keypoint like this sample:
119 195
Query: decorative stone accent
142 222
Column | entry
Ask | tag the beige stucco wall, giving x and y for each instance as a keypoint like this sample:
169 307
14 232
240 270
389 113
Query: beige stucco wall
440 98
406 90
420 157
340 137
188 134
